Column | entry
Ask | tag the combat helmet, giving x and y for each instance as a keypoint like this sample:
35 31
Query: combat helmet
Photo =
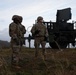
20 19
39 18
15 17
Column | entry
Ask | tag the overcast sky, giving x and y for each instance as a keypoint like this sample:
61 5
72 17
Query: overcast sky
31 9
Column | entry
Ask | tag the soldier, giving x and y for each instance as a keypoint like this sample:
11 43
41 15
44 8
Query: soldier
16 32
39 31
22 31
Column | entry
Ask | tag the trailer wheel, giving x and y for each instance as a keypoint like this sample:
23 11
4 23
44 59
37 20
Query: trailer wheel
62 41
53 45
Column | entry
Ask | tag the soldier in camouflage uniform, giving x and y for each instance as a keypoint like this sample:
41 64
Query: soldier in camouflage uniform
39 31
22 31
16 32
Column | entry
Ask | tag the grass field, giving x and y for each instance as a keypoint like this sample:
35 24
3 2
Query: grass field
56 62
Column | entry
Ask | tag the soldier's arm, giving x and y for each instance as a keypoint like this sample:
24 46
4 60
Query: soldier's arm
12 30
33 29
9 31
46 32
24 30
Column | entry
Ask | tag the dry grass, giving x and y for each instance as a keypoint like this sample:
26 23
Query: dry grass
56 63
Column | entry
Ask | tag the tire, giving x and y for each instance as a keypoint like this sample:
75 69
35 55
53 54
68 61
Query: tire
53 45
62 41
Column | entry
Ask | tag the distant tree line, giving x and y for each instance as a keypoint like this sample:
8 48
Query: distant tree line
4 44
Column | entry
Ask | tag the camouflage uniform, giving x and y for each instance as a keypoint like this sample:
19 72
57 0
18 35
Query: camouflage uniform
39 32
16 32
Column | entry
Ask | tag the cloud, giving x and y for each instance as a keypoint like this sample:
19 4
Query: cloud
31 9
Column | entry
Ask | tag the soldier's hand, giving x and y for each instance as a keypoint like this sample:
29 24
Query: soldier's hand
14 36
37 32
